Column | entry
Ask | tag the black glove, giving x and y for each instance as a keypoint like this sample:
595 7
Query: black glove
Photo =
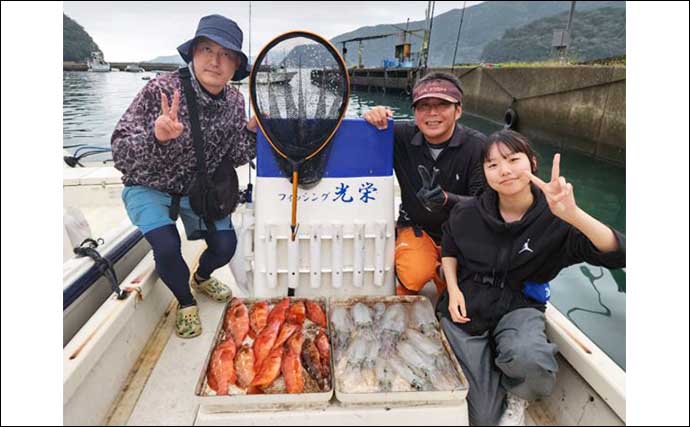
431 195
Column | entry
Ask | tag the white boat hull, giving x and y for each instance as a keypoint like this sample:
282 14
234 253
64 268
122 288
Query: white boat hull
99 68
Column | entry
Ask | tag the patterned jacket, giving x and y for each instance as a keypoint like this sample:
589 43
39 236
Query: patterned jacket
171 167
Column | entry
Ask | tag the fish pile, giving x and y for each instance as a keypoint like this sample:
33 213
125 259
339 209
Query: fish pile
390 347
278 349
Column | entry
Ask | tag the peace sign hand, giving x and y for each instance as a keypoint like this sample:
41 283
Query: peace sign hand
559 193
167 125
431 195
427 180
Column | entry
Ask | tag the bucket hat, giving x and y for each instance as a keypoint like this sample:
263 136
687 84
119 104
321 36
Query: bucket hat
223 31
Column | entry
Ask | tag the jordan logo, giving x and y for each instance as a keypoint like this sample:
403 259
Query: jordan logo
525 248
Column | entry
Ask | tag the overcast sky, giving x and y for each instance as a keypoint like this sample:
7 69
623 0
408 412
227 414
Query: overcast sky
139 31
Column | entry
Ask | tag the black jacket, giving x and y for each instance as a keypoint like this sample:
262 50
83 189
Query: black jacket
496 258
460 173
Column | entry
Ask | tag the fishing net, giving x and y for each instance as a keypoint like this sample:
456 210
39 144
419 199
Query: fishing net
299 89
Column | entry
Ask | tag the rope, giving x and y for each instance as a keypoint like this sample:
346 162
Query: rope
87 248
75 158
592 279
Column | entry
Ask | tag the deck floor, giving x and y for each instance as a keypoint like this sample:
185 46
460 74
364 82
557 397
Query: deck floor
168 397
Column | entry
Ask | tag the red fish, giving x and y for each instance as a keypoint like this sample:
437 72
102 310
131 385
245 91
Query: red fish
286 332
296 313
258 316
254 390
221 371
244 366
291 368
295 342
279 310
324 348
264 343
315 313
237 321
270 369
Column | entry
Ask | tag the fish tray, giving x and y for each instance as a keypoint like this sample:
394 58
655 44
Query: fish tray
242 402
396 398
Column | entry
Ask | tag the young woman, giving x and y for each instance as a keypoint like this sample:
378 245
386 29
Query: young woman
520 230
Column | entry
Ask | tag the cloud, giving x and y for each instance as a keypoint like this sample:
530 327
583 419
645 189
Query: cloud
136 31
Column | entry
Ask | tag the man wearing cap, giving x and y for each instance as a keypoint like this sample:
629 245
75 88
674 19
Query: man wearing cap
154 149
437 161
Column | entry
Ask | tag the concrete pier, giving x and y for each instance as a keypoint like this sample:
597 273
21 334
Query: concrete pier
147 66
578 107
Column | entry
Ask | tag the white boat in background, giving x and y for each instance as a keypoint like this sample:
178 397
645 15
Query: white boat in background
278 76
97 64
134 68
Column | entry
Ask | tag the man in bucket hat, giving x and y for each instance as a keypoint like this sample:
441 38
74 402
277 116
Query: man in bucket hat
154 149
436 162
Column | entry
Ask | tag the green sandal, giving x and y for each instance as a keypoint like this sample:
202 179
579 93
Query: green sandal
213 288
188 323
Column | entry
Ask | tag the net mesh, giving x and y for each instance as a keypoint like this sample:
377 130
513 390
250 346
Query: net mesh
299 89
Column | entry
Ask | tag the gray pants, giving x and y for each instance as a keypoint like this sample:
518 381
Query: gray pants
520 361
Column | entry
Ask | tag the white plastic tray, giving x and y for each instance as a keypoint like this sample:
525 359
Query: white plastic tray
417 397
248 402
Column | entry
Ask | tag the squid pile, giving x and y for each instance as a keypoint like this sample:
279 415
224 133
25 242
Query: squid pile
391 346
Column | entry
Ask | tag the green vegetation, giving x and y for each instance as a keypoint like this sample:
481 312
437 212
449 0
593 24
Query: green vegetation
614 62
484 23
598 33
77 44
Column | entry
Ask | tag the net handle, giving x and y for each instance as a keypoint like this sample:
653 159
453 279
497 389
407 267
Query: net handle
294 227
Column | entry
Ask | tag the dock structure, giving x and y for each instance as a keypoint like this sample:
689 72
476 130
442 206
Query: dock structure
385 80
147 66
398 80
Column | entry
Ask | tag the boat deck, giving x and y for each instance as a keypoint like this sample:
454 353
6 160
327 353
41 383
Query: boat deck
160 389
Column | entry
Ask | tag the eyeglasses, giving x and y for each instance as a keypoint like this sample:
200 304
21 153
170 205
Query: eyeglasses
208 52
426 107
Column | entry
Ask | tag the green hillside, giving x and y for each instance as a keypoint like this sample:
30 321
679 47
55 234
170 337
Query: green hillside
598 33
77 44
483 24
